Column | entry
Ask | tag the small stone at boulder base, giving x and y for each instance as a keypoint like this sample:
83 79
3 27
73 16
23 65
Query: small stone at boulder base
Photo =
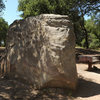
41 50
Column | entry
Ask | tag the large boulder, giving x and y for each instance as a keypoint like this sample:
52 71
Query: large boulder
41 50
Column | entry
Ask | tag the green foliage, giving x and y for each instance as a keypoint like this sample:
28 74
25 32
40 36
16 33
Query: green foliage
2 6
36 7
93 27
3 31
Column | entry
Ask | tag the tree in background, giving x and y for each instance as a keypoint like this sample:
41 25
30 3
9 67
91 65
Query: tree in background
84 7
2 6
93 27
3 25
3 31
76 9
37 7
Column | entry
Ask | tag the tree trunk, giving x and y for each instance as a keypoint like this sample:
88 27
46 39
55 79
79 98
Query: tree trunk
85 32
86 39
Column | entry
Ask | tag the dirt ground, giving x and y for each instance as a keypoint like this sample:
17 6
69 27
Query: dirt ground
88 88
89 85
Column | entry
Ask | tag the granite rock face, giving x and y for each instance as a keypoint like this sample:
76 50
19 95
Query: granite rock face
41 50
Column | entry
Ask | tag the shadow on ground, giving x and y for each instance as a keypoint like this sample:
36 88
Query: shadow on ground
15 90
95 69
87 89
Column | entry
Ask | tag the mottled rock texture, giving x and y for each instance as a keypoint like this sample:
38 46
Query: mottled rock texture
41 50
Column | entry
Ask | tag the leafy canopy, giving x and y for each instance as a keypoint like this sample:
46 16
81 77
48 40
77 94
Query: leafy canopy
3 31
93 27
36 7
2 6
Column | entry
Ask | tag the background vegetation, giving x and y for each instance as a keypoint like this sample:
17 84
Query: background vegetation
93 28
87 32
3 25
3 31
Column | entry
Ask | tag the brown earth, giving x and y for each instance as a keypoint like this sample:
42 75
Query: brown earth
88 87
